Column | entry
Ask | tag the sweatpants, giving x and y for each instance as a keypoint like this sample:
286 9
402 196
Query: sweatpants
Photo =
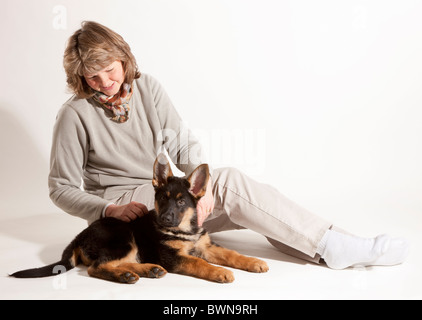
243 203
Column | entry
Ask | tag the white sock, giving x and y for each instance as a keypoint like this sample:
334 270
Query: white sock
340 251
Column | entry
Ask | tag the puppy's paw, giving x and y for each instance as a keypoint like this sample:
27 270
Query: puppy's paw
222 275
157 272
149 270
128 277
256 265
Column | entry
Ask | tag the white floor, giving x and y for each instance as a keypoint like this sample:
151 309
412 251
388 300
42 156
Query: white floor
39 240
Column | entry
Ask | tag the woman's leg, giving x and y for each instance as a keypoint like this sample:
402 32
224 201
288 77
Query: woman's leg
241 202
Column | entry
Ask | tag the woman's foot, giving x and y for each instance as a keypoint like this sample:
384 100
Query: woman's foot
340 251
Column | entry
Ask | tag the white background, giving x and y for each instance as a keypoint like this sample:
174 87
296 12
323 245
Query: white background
321 99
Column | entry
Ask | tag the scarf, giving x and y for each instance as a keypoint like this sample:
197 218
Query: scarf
118 104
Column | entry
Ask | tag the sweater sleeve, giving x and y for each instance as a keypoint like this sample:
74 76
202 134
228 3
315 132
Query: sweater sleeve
67 161
182 146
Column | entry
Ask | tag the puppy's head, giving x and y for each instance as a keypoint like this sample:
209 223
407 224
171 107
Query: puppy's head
176 198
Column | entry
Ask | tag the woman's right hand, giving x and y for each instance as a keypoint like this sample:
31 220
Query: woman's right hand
126 212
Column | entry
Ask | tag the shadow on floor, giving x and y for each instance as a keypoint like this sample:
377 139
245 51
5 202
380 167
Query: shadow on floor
23 170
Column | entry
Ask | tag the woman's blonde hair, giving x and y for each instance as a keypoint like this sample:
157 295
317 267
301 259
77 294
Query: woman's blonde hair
91 49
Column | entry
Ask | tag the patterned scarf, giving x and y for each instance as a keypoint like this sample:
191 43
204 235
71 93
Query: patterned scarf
119 103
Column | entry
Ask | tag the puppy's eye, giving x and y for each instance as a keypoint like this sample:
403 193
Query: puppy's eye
163 198
181 202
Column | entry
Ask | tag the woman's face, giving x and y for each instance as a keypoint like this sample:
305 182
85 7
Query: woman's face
108 80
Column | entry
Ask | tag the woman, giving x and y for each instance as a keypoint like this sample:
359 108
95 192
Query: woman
110 132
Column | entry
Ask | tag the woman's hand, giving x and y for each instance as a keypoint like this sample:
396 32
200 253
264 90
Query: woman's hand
205 205
126 212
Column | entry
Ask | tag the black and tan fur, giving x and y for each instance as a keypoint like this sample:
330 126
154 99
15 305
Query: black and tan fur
166 239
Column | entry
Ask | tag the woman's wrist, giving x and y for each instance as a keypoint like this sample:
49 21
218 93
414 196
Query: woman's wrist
107 209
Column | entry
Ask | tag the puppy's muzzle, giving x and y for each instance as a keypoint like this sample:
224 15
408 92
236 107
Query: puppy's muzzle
168 219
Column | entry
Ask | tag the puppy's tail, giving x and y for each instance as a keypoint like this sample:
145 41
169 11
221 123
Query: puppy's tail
65 264
50 270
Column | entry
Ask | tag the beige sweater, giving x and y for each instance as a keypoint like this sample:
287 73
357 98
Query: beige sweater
112 158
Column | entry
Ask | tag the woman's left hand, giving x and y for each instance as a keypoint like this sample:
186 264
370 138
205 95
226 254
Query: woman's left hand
205 205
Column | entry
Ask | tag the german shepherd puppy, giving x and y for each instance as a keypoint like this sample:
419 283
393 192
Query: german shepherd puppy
167 239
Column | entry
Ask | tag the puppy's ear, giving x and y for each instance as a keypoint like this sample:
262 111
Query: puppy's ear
198 181
162 171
